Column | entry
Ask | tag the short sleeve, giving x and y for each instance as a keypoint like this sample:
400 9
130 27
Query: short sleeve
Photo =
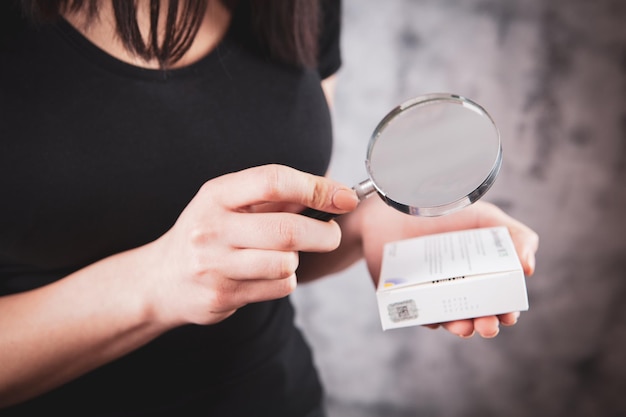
329 58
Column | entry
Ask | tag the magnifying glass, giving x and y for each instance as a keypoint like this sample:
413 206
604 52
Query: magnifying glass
430 156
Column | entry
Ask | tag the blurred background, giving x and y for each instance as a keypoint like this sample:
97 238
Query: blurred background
553 76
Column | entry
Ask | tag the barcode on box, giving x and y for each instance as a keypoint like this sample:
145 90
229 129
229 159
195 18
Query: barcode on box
402 311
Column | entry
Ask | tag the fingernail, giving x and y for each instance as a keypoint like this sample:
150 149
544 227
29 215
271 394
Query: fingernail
345 199
491 336
467 336
530 261
512 322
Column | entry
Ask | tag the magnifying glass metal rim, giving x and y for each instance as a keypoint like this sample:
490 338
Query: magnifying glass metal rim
369 186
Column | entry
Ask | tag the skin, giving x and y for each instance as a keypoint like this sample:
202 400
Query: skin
239 240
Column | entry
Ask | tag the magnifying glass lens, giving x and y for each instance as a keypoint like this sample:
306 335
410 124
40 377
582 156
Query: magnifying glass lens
433 153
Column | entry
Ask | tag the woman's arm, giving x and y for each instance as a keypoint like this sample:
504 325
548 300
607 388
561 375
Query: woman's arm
53 334
328 86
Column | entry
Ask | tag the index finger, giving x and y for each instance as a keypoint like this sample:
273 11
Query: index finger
278 183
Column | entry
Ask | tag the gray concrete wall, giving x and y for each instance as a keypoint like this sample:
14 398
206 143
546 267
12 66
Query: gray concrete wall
553 75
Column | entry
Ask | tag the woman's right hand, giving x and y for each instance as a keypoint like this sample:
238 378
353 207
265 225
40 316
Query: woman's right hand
237 242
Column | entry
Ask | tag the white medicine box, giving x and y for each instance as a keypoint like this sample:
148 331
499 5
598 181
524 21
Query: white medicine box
450 276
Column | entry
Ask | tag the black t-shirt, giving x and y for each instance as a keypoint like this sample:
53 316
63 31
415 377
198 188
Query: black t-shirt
98 156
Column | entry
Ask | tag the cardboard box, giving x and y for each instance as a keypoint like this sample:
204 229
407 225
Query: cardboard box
450 276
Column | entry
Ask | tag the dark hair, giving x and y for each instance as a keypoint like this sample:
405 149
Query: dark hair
286 29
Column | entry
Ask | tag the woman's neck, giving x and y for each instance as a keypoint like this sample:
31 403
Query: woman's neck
101 31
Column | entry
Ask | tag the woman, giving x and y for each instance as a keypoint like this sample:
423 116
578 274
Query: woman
155 157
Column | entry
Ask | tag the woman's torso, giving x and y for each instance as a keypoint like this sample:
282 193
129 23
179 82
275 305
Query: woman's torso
99 156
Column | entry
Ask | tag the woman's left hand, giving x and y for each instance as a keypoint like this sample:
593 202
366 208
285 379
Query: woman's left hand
381 224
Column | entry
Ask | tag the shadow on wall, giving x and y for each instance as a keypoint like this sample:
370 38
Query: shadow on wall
553 74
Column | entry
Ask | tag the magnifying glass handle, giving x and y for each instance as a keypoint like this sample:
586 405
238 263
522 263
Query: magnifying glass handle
319 215
363 190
